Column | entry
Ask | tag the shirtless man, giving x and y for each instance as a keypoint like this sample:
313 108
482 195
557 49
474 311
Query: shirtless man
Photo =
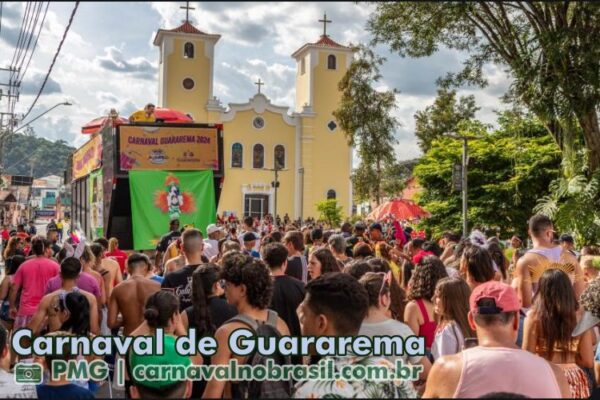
114 276
174 263
49 307
543 255
129 297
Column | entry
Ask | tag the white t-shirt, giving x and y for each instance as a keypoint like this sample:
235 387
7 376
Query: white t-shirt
211 248
390 327
11 390
447 341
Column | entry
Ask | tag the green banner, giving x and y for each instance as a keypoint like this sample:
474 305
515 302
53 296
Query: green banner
159 196
96 204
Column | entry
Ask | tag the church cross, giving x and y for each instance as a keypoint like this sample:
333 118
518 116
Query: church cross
187 9
259 84
325 21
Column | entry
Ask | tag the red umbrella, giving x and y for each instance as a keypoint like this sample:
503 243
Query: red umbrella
97 124
172 116
400 209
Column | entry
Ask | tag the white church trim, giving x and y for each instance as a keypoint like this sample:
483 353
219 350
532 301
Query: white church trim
259 103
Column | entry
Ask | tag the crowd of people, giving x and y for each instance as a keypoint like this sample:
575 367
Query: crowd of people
497 318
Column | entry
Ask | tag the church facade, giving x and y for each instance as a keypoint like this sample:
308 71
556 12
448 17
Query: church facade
304 147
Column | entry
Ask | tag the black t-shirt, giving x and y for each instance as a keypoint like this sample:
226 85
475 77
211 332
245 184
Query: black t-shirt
166 240
180 282
297 267
288 293
220 312
55 249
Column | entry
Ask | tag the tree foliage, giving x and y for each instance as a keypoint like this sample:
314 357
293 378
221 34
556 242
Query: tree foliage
393 180
365 116
508 170
330 211
443 116
26 153
550 49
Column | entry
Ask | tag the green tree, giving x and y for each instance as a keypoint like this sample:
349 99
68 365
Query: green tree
508 170
443 116
25 154
393 180
365 116
330 211
550 49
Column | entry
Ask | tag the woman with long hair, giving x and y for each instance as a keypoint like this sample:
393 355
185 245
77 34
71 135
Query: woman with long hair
548 330
451 305
208 311
74 313
500 261
378 321
11 264
322 261
419 313
476 266
13 248
397 294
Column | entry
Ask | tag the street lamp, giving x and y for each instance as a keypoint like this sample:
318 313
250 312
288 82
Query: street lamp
65 103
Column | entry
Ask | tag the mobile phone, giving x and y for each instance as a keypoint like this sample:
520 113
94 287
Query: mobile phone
470 342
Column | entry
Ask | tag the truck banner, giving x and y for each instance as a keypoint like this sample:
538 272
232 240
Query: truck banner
87 158
168 148
160 196
96 204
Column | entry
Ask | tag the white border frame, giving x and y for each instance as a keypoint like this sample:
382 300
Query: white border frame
184 88
183 48
264 156
285 158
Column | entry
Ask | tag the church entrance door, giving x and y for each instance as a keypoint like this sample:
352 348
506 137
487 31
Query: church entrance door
256 205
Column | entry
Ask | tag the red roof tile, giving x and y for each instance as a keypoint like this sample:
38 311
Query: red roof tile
186 27
327 41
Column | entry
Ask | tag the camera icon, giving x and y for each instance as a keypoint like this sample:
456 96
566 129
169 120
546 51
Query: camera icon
28 373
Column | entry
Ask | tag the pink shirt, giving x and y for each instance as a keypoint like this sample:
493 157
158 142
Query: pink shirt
33 275
500 369
84 281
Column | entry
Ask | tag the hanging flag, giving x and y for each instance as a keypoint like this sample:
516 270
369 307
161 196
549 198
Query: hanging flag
157 197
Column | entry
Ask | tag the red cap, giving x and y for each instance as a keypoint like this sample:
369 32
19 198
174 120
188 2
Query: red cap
504 298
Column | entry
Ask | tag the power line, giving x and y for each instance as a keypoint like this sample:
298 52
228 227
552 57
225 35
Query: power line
1 4
31 31
35 43
53 60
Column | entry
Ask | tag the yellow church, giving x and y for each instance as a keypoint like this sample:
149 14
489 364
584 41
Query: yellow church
306 146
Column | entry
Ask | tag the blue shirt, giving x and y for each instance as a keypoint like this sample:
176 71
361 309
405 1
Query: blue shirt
158 278
62 392
598 354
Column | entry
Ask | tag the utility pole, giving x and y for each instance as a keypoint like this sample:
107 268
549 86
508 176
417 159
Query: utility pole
464 181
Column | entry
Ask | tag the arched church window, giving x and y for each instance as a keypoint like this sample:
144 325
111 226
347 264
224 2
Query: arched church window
258 156
237 155
279 157
302 66
331 194
331 62
188 50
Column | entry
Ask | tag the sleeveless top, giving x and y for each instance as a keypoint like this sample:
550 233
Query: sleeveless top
549 258
522 372
427 330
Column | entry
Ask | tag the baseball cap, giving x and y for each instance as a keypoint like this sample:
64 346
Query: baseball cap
565 237
590 300
494 297
169 357
212 228
376 225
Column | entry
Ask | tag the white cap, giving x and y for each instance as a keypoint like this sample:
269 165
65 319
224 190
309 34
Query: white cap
212 228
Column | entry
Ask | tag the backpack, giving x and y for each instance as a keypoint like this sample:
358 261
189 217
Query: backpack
263 389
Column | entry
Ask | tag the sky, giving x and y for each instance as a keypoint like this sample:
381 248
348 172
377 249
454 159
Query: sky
108 59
